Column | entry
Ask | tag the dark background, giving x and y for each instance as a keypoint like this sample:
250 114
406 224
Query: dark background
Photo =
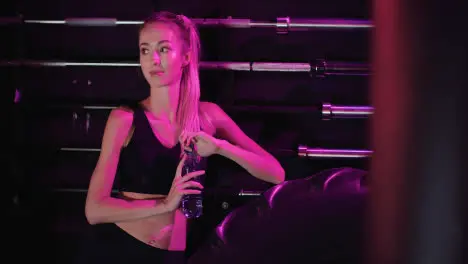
50 114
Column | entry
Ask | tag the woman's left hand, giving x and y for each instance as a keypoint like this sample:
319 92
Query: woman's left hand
205 145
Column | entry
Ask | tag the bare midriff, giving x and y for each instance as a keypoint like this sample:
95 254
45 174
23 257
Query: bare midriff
165 231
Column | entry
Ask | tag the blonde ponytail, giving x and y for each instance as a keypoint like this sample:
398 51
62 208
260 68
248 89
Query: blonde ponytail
189 99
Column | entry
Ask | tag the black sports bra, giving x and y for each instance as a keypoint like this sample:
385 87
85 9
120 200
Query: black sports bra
145 165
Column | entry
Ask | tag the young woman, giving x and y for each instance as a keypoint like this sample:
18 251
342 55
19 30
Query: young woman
144 143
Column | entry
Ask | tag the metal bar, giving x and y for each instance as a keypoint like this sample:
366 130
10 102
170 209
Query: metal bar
273 109
234 66
31 63
330 23
323 68
81 149
330 111
250 193
320 68
281 67
235 108
93 22
84 22
229 22
74 190
267 109
304 151
241 193
98 107
282 24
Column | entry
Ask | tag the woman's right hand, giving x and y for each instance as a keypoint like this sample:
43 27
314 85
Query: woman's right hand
182 185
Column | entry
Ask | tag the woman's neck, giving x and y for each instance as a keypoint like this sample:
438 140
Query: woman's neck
163 102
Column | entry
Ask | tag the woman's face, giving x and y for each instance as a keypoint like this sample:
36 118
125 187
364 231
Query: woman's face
162 55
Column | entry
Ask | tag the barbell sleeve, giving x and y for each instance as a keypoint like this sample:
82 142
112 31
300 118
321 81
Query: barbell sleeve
330 111
304 151
91 22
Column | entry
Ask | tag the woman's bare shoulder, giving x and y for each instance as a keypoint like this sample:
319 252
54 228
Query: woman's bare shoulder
209 117
121 116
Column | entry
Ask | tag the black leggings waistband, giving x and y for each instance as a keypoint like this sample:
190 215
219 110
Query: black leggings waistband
108 243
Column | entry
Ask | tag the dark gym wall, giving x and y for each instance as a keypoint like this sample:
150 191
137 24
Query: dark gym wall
51 117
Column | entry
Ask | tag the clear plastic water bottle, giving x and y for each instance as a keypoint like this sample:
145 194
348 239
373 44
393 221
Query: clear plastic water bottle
192 204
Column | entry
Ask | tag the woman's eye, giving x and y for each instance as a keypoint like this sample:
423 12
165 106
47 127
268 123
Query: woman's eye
144 51
164 49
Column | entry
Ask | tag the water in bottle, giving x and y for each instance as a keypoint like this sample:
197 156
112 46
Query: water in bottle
192 204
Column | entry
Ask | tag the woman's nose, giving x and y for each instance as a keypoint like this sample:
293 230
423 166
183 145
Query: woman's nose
156 59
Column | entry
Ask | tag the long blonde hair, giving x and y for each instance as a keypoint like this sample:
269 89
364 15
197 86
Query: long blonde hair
189 97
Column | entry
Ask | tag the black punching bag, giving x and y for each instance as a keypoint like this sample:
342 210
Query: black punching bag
319 219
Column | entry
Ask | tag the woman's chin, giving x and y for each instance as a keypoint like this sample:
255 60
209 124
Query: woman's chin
161 83
157 83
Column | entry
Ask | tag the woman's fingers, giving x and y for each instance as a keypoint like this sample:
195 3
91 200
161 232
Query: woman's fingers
191 184
179 167
190 176
191 191
183 138
188 148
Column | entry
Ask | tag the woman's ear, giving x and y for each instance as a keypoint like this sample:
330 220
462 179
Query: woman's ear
186 59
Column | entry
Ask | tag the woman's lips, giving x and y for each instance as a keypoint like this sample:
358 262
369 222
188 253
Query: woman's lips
156 73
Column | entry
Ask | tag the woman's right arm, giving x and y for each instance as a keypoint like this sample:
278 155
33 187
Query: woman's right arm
100 206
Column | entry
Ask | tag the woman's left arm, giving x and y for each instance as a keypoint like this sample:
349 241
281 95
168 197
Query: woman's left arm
240 148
